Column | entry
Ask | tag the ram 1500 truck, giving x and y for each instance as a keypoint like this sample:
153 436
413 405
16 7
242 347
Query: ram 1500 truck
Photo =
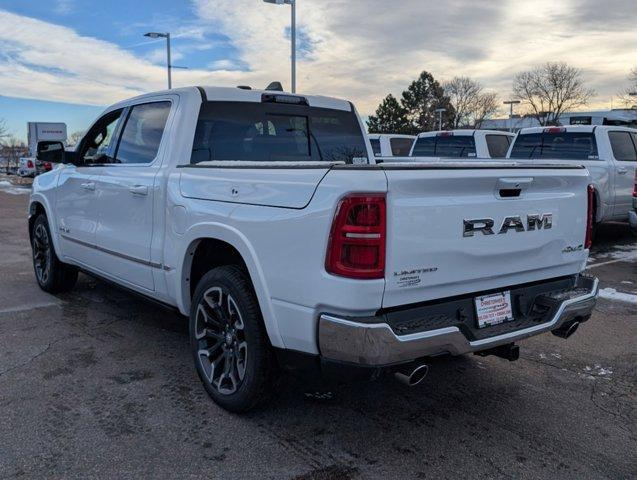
470 144
262 217
608 152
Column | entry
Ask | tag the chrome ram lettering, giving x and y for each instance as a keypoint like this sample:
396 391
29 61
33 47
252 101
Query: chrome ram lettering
485 225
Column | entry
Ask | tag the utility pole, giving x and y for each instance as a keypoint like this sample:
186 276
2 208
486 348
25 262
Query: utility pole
510 103
292 4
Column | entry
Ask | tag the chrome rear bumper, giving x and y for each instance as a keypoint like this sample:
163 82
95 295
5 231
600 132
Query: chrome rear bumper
376 344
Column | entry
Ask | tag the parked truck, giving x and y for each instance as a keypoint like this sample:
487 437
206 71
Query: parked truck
464 143
263 217
391 144
608 152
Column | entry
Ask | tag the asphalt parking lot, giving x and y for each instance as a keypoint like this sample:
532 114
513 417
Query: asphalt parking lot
97 383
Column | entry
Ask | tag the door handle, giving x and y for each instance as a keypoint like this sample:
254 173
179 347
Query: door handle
88 186
138 190
622 171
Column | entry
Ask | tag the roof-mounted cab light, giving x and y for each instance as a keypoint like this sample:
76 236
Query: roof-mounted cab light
244 87
555 130
275 87
445 134
289 99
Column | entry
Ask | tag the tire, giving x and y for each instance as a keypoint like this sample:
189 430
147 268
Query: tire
232 354
52 275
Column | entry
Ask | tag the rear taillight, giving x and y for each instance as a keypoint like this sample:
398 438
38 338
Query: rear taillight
29 164
635 187
356 248
589 217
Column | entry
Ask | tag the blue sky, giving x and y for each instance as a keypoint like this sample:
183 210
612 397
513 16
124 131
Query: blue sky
64 60
122 23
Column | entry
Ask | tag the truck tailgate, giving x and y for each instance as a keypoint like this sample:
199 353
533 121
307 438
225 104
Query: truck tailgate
439 242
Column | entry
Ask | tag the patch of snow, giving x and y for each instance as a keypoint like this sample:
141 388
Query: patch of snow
626 282
543 356
8 187
556 355
612 294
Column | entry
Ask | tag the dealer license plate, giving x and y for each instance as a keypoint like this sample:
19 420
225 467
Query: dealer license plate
494 309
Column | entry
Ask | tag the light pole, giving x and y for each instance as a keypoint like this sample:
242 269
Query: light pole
292 3
510 103
167 37
439 111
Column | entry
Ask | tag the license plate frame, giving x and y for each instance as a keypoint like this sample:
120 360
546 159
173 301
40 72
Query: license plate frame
493 309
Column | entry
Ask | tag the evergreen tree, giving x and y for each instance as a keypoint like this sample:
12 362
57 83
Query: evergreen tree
421 99
390 117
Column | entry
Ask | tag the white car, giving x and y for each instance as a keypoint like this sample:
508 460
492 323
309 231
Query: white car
262 216
608 152
462 144
390 144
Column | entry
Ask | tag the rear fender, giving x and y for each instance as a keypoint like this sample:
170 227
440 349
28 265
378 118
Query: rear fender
232 236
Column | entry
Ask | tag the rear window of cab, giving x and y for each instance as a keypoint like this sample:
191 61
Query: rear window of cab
558 144
457 146
252 131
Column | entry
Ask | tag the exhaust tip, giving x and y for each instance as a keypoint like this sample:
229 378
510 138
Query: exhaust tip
413 377
567 330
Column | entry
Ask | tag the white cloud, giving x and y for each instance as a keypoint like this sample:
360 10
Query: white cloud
64 7
361 50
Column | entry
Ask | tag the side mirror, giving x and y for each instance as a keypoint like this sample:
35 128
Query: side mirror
50 151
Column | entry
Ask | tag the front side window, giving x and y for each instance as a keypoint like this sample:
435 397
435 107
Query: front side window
498 145
400 147
258 132
622 145
142 133
557 145
375 146
95 145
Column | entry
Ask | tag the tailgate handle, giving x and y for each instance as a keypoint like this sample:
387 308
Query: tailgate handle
512 187
510 192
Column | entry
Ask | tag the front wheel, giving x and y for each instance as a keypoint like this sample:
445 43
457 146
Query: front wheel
53 276
229 343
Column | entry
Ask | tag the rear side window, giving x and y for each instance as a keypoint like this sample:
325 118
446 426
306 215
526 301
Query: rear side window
425 147
623 147
498 145
400 147
142 133
375 146
456 146
261 132
559 145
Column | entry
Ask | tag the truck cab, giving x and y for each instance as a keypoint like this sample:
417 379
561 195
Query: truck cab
390 144
462 144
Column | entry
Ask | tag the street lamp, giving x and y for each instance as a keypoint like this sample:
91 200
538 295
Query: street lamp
439 111
292 3
167 37
510 103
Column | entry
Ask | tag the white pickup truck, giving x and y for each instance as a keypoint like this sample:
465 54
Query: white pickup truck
391 144
462 144
608 152
262 216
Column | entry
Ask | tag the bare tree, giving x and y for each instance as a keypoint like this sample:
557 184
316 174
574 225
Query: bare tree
628 95
471 104
74 138
4 131
13 149
550 90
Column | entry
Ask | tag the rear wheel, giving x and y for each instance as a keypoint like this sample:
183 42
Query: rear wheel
229 343
52 275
